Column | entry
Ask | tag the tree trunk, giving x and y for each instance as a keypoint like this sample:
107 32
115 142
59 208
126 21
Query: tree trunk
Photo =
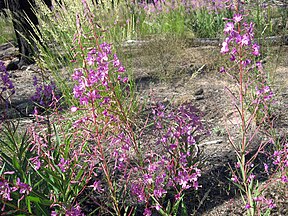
22 12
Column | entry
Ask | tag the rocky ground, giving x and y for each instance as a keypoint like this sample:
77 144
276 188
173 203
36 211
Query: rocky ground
198 82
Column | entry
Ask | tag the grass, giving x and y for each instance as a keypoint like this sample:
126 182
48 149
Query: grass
7 32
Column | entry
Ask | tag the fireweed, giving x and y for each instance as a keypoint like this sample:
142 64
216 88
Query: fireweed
6 85
8 188
253 105
124 167
171 161
46 96
149 170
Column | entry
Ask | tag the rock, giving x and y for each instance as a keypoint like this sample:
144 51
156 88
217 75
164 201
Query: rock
8 53
199 97
199 92
13 65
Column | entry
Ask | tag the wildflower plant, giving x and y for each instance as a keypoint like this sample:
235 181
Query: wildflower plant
252 102
7 87
46 96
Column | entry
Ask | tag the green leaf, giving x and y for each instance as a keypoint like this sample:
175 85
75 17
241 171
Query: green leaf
16 163
2 169
28 203
168 208
176 205
34 199
183 209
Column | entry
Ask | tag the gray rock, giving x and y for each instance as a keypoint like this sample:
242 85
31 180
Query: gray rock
199 92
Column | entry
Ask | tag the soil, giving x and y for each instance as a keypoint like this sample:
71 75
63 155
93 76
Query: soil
197 81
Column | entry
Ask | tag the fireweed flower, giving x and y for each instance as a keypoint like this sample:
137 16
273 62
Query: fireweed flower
237 18
254 93
63 165
256 49
6 86
87 84
225 46
74 211
171 166
46 94
6 190
229 27
23 188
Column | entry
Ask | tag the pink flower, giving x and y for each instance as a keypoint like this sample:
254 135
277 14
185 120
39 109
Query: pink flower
256 49
225 47
74 109
229 27
247 206
237 18
97 186
147 212
245 40
234 179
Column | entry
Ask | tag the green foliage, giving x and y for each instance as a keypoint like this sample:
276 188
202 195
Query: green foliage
7 32
207 24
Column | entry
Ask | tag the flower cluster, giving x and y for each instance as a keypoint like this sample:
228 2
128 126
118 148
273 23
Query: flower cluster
245 53
280 157
234 37
266 203
73 211
6 83
45 94
253 100
172 166
90 82
7 188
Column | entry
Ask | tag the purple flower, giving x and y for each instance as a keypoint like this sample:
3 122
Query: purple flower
6 82
97 186
247 206
235 179
245 40
158 193
229 27
266 167
284 179
77 74
271 204
147 212
256 49
148 179
74 211
36 162
116 62
63 165
23 188
237 18
225 47
73 109
121 69
222 70
6 190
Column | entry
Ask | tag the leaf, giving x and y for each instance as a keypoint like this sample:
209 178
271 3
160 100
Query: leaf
2 169
16 163
183 209
34 199
28 203
176 205
168 207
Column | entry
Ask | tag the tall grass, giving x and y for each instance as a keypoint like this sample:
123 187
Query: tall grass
7 32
